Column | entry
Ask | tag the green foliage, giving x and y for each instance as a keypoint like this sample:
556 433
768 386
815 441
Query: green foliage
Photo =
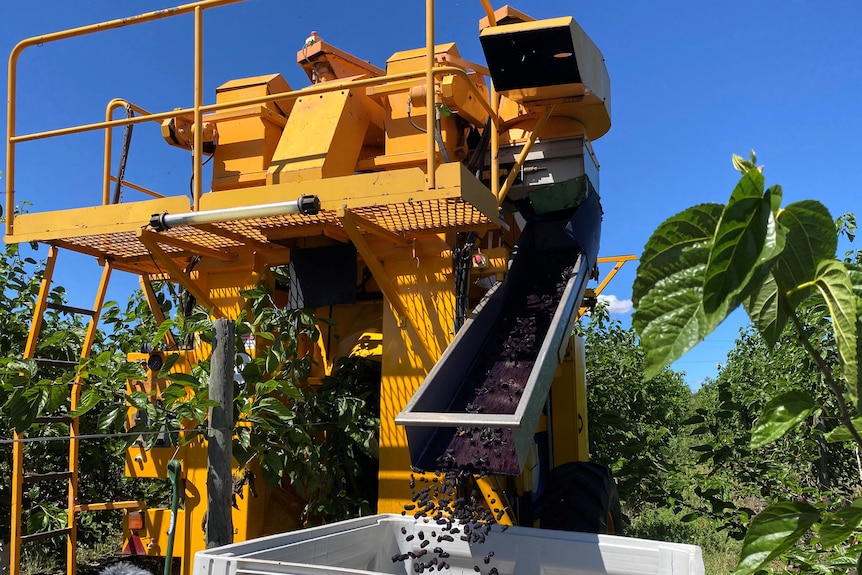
668 289
779 415
774 531
318 440
633 422
663 524
780 265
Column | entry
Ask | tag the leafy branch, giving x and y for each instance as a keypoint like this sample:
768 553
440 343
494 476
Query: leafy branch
703 263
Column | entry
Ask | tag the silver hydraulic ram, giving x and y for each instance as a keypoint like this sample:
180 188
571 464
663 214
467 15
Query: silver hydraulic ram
305 205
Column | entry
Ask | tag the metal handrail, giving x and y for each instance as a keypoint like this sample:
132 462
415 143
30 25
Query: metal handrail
199 108
196 7
109 115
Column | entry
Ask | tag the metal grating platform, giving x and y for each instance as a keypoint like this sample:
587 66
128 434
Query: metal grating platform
411 218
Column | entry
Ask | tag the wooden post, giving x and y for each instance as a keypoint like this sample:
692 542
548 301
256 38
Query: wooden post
219 524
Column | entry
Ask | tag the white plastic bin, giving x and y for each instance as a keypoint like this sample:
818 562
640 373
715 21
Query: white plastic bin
367 545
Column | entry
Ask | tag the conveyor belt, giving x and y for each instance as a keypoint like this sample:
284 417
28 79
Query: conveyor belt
478 408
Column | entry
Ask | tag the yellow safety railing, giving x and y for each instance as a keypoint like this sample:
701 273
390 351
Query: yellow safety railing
109 133
199 108
11 139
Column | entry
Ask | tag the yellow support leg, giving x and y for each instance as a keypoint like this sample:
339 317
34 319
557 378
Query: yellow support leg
151 240
495 497
18 448
570 438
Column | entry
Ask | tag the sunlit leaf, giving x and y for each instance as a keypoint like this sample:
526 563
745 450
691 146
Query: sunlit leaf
109 417
254 293
90 397
854 271
773 531
163 329
810 240
275 407
170 361
138 399
841 433
185 379
835 286
173 393
272 362
22 410
779 415
837 527
668 289
129 370
745 240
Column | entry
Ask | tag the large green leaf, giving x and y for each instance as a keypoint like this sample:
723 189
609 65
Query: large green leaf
810 239
855 273
773 531
23 407
108 418
841 433
837 527
90 397
833 281
668 287
740 238
760 291
780 415
162 330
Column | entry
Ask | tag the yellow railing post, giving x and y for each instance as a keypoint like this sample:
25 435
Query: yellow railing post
109 115
495 120
199 101
430 108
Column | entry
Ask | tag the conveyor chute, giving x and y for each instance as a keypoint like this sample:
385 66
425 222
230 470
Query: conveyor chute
478 408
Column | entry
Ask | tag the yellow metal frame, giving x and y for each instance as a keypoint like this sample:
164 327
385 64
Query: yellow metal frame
108 178
199 109
196 7
152 241
494 494
364 231
351 223
619 262
522 156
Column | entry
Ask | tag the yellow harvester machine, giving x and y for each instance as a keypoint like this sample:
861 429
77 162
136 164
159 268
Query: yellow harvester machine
376 177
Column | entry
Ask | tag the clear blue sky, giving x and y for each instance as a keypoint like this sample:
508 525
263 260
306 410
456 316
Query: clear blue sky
691 82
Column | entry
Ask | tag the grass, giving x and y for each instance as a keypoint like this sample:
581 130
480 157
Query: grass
721 560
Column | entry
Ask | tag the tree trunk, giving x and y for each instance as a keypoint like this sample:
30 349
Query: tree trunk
219 523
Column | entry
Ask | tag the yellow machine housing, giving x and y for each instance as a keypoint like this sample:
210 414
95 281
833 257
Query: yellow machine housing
401 198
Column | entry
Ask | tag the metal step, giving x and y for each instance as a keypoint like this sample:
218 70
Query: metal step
53 419
42 477
110 506
45 362
71 309
45 535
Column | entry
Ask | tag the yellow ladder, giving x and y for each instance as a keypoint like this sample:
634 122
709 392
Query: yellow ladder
20 478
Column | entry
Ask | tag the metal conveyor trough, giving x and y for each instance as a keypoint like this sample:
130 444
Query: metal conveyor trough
478 408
